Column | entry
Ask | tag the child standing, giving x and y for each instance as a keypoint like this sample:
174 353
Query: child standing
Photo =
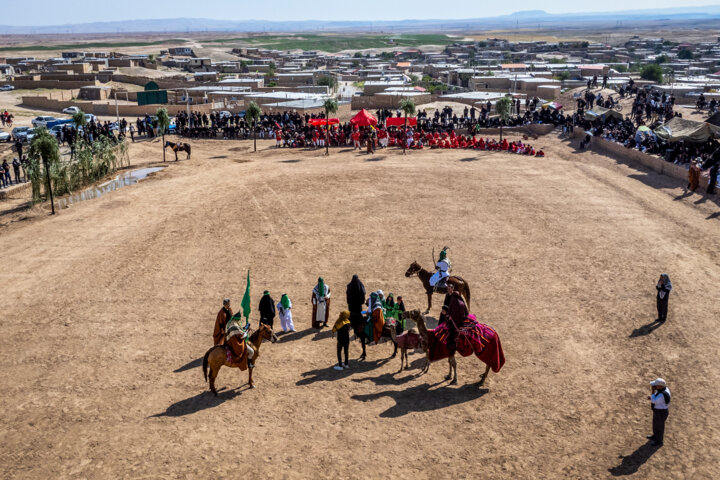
284 309
342 327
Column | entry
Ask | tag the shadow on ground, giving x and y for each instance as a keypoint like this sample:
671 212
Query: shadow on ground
190 365
646 329
200 402
329 374
631 463
424 398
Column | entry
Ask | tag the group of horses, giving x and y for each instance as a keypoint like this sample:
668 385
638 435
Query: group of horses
417 337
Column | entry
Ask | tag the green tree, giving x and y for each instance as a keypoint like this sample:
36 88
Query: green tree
503 107
653 72
685 54
163 121
330 106
357 55
407 106
328 81
253 113
563 77
661 59
43 148
80 121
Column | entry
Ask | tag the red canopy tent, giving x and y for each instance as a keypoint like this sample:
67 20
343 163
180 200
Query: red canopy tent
400 121
321 122
363 119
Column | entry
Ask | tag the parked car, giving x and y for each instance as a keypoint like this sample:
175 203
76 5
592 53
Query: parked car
5 136
90 116
71 110
19 133
29 135
42 121
225 114
55 129
6 88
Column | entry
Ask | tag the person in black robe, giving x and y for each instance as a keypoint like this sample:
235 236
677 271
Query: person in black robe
355 294
713 177
267 309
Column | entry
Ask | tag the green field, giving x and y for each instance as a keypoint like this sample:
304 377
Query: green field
85 46
335 43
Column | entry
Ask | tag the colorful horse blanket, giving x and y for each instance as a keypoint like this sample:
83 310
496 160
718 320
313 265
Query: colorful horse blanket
409 340
473 337
483 341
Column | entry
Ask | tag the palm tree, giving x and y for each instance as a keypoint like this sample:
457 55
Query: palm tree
503 107
330 106
253 112
163 123
407 106
45 146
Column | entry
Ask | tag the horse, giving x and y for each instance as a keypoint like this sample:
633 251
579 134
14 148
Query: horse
358 323
216 357
458 282
178 147
425 335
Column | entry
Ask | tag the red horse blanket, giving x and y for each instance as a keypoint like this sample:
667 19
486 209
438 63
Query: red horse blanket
473 337
408 340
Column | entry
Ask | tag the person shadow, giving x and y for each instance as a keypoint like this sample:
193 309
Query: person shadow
631 463
329 374
421 398
289 337
646 329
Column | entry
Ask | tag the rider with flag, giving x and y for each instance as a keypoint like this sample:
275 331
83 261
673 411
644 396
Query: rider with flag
442 270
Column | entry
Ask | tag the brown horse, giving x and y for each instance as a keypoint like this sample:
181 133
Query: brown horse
179 147
422 329
358 322
458 282
216 357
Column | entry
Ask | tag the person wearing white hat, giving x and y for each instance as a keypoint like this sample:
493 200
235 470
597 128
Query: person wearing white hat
660 401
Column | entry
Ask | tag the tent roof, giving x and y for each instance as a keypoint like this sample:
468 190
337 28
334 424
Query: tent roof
364 118
679 129
599 112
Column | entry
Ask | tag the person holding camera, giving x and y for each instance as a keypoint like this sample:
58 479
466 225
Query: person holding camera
659 401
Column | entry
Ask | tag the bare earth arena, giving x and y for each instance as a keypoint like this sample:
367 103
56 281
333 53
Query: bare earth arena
108 308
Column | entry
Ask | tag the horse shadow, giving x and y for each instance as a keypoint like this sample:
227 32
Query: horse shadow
322 334
646 329
421 398
329 374
200 402
374 159
631 463
190 365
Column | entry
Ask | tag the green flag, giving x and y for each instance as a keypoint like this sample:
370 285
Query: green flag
245 304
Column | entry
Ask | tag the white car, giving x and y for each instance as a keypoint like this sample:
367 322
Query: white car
4 136
225 114
29 135
90 116
71 110
55 129
6 88
19 133
42 121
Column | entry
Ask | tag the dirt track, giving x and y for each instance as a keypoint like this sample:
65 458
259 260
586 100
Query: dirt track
108 308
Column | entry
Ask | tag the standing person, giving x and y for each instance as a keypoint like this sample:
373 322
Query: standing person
267 309
6 167
400 326
19 148
355 294
693 176
284 308
16 167
664 286
660 401
321 304
132 132
713 177
223 317
342 328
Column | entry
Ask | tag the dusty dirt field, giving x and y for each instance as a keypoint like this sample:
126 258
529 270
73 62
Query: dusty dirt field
108 307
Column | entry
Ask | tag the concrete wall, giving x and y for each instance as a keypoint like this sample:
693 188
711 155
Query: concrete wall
108 109
55 84
373 102
636 157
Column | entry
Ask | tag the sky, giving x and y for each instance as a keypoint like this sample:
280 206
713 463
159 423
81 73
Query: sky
54 12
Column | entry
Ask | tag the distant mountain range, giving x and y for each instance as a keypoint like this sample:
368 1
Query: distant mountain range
525 19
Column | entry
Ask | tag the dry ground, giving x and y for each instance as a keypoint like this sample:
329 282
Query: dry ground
108 307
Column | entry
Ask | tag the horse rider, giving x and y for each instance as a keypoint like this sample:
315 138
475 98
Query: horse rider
442 267
234 339
223 317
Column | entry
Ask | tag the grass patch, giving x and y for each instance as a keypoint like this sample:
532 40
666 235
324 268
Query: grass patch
84 46
336 43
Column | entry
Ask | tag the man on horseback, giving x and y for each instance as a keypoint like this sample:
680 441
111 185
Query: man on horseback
223 317
237 341
442 270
